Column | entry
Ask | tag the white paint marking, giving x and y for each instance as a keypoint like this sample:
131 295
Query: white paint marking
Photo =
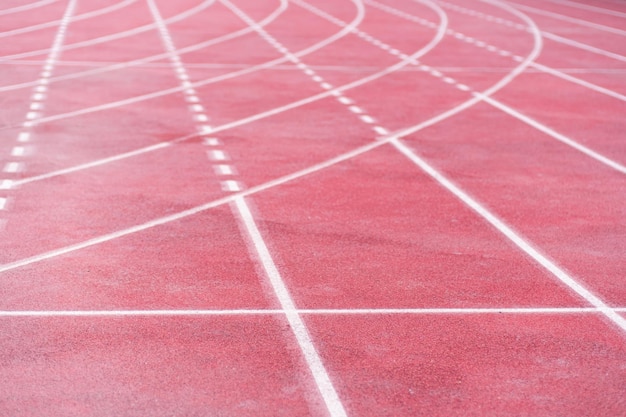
36 106
13 167
463 87
510 234
561 138
345 100
211 141
23 137
3 203
196 108
217 155
192 99
224 169
355 109
205 129
326 86
18 151
231 186
287 304
32 115
201 118
318 79
367 119
6 184
449 80
381 130
38 97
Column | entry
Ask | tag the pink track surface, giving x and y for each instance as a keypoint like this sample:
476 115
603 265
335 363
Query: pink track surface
313 207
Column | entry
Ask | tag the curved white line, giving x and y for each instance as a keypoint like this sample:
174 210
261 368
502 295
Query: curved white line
119 35
333 38
76 18
30 6
419 53
129 64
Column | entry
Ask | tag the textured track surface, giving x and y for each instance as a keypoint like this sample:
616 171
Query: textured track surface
312 207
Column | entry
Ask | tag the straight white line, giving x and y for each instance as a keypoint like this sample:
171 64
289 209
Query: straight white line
296 323
561 138
579 81
510 234
97 163
565 18
601 10
26 7
356 311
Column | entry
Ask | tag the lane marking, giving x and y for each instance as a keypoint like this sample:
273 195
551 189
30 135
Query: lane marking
319 45
330 312
535 124
601 10
570 19
548 35
505 53
24 7
262 253
115 36
552 133
512 235
223 169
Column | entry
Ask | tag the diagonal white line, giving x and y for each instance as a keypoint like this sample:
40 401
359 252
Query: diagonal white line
556 135
510 234
322 379
565 18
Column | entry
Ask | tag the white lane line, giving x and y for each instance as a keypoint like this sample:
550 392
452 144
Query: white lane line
261 252
231 186
24 7
18 151
322 379
122 65
569 19
115 36
76 18
504 53
533 123
97 163
218 155
581 6
342 312
512 235
556 135
318 45
548 35
13 167
337 92
223 169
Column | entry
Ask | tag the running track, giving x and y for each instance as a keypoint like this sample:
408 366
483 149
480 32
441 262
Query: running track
313 207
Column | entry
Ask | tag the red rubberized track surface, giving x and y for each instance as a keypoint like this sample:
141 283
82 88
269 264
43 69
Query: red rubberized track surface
313 207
